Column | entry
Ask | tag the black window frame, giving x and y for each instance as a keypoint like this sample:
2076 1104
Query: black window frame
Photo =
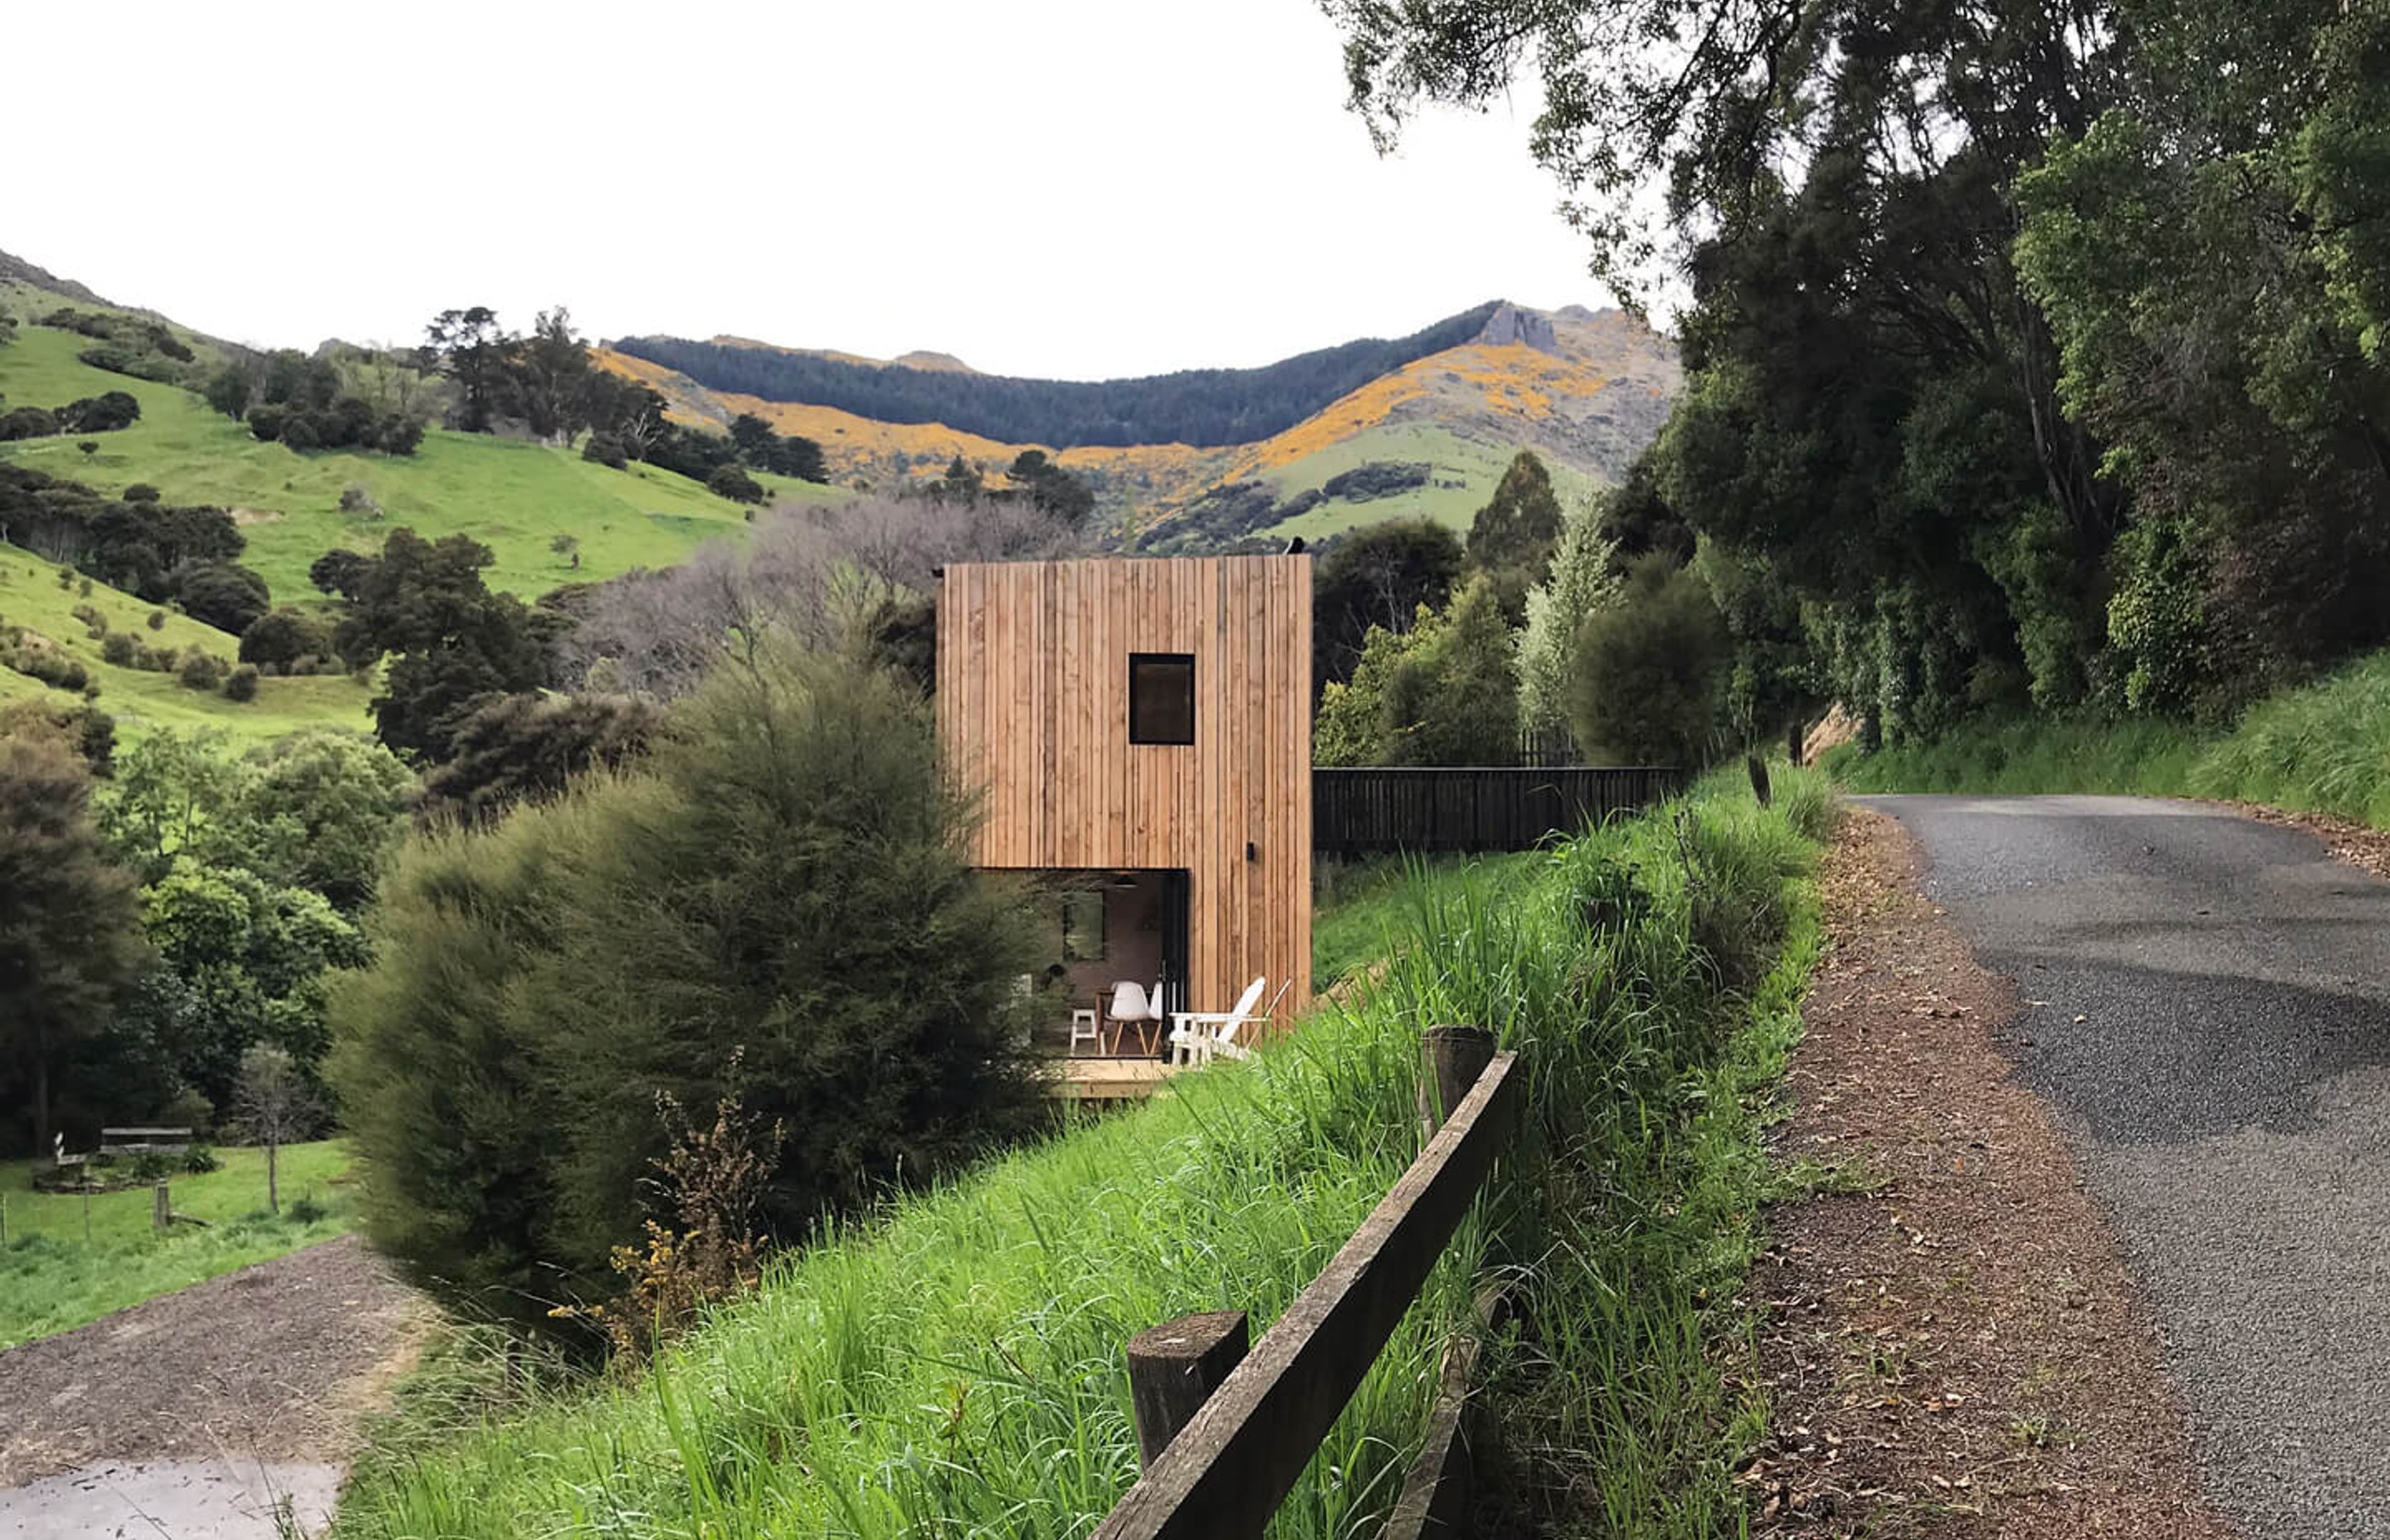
1139 662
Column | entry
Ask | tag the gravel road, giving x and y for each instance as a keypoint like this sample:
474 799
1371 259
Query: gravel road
2207 1011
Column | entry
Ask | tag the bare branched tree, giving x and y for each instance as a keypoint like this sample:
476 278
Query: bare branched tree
816 574
275 1104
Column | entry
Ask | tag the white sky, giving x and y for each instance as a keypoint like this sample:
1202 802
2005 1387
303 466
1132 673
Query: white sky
1076 189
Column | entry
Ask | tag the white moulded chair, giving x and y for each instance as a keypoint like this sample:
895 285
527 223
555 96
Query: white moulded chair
1131 1007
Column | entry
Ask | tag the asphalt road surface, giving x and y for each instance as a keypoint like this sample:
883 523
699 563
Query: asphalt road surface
2208 1009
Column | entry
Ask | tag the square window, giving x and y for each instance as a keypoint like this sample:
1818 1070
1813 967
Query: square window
1161 698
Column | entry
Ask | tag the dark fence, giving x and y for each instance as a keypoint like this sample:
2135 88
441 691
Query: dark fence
1362 812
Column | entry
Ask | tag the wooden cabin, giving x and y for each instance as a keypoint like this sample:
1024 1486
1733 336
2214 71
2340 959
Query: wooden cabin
1140 733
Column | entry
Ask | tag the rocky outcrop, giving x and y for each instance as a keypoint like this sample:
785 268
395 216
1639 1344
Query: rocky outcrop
1510 324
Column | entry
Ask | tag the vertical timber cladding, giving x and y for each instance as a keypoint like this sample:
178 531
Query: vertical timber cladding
1032 711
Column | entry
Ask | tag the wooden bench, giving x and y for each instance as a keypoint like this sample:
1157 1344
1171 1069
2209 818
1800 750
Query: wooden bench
145 1141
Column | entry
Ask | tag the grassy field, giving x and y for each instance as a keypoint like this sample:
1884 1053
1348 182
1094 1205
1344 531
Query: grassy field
51 1280
139 699
954 1368
2322 749
1475 467
512 496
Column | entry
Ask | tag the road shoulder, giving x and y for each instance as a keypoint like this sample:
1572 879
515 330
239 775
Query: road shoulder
1952 1346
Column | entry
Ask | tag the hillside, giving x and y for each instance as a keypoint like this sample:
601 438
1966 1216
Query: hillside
31 597
513 497
1586 390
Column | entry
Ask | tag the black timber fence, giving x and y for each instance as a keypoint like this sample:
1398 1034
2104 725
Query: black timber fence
1374 809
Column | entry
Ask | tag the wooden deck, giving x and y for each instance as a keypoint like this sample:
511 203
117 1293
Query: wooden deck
1093 1079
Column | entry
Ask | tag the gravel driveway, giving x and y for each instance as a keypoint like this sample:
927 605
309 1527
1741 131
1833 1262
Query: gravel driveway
2208 1013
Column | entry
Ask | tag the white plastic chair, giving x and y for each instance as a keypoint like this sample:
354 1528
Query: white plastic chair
1131 1007
1196 1036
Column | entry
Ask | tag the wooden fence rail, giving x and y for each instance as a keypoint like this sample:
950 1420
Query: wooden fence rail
1226 1472
1364 811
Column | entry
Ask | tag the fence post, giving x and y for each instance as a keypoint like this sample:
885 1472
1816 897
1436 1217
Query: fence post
161 1208
1452 1060
1174 1369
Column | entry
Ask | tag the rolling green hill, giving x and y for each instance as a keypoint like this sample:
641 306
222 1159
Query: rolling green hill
513 497
31 597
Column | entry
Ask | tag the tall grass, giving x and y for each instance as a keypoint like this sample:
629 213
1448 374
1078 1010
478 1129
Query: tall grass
954 1367
2323 748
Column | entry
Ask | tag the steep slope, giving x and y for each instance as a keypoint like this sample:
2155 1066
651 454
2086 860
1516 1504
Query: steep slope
32 597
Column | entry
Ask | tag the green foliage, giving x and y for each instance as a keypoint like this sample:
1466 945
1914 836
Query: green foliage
455 641
1646 687
1377 577
70 940
989 1314
240 685
525 747
1444 692
1512 536
2321 747
734 483
775 901
1580 581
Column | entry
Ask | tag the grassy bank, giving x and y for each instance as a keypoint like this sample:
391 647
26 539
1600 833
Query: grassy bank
2322 749
52 1279
954 1367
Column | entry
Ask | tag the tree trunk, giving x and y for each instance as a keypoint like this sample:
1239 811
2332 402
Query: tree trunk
273 1187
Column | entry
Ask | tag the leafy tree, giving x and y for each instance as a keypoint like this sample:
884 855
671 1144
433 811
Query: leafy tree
764 905
1052 488
734 483
1511 538
1378 576
69 937
521 747
568 546
340 572
453 640
1443 693
240 685
281 637
1581 582
1647 682
223 594
470 348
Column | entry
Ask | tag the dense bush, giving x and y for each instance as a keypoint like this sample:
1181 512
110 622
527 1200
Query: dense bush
197 671
282 638
525 747
1373 479
52 667
222 594
1646 686
242 682
734 483
776 902
606 450
120 649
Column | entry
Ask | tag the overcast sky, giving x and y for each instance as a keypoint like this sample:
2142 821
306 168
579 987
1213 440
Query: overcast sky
1067 188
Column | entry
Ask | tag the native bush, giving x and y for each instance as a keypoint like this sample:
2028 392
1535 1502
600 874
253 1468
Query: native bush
1646 678
774 905
242 682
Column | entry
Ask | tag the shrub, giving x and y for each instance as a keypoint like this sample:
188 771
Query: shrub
281 637
141 491
200 672
1645 686
198 1160
95 620
734 483
223 594
399 435
305 1210
89 447
157 621
120 649
26 422
354 498
759 911
241 684
266 422
607 450
48 664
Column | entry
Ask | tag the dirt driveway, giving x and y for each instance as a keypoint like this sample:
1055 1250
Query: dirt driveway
270 1365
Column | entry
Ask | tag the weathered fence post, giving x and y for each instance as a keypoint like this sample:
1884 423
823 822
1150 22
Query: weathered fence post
1174 1369
1452 1060
1759 784
161 1208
